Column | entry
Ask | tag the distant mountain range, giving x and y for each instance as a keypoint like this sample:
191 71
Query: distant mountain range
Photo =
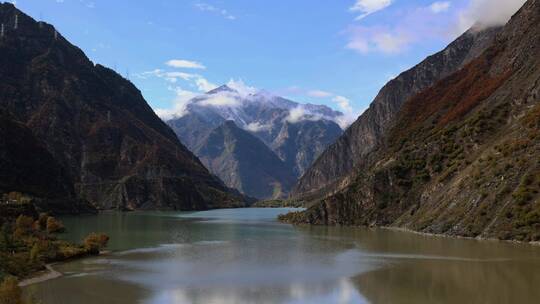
77 136
450 147
295 133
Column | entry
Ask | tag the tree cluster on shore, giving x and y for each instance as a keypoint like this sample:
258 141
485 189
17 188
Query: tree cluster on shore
27 244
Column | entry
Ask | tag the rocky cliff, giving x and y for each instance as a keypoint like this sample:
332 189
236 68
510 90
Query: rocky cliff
329 172
463 156
101 140
244 162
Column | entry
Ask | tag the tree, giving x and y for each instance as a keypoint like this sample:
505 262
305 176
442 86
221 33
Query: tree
95 242
6 238
54 225
34 252
42 220
10 292
23 225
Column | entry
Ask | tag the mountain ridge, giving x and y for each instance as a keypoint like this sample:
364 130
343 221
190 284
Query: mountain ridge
294 132
114 149
330 170
256 172
463 156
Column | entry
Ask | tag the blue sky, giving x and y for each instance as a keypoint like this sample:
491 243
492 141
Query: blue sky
337 53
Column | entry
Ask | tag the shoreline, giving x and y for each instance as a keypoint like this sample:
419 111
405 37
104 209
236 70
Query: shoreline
50 273
439 235
44 275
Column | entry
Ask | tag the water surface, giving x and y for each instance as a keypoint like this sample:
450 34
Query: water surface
245 256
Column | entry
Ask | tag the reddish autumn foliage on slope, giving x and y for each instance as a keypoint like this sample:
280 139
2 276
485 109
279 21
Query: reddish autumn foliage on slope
453 97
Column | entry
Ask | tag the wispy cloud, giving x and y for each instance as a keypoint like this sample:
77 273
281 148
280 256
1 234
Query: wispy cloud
416 24
368 7
221 99
440 6
185 64
205 7
301 113
180 103
349 114
486 13
257 127
343 104
364 39
242 88
319 94
195 80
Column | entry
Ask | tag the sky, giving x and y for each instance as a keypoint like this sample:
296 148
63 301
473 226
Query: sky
338 53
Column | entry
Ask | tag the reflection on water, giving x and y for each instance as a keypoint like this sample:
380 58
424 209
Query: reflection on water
245 256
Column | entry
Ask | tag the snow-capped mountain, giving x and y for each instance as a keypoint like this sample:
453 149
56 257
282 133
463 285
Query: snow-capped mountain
296 133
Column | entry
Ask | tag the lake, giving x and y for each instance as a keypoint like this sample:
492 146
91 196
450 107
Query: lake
246 256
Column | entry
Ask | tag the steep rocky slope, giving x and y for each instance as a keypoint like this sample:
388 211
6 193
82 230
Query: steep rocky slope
463 157
27 167
94 126
244 162
328 173
299 144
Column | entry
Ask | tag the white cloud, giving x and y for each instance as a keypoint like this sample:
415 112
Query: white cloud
168 76
368 7
221 99
359 44
417 24
205 7
204 85
242 89
257 127
186 64
349 114
440 6
180 103
319 94
379 39
391 43
343 103
299 114
487 13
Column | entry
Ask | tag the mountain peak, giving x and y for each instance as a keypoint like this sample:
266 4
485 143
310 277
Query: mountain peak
104 102
230 124
223 88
